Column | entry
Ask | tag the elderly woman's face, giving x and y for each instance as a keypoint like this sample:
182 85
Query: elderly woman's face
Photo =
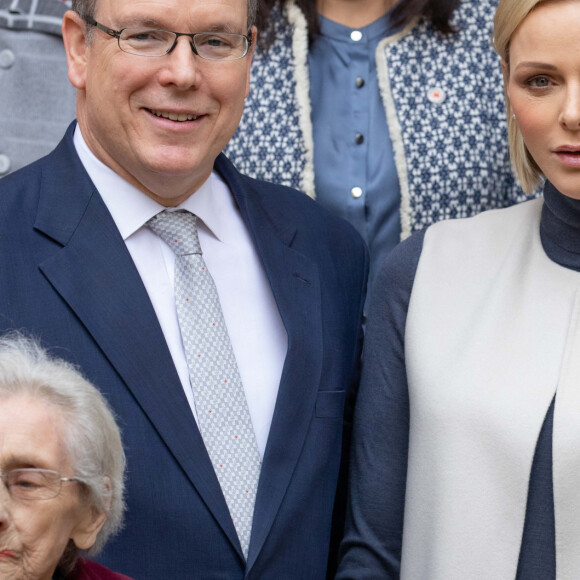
35 533
544 90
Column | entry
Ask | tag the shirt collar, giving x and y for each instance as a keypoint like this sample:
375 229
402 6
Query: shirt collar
131 209
378 29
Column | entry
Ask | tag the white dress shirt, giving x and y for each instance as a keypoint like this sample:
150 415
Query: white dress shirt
254 325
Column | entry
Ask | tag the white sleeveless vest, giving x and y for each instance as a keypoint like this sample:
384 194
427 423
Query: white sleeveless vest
493 332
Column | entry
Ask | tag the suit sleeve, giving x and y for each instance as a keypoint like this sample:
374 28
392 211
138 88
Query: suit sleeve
371 547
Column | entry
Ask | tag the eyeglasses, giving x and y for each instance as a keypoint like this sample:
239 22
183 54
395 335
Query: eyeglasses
34 484
155 42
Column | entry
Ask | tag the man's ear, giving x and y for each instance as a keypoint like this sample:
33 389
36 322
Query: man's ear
85 532
74 35
250 56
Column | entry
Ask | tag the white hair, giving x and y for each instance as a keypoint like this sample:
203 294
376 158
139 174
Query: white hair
92 438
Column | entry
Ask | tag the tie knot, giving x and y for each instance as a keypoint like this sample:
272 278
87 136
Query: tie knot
178 229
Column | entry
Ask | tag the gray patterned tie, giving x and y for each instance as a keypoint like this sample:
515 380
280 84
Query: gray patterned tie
222 409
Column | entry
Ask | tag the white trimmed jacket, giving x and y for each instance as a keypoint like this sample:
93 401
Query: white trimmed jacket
492 334
444 102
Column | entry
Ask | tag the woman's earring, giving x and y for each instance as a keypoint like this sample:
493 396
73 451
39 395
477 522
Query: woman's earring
514 116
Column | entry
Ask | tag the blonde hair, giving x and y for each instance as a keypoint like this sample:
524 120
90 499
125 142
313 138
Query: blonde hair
509 15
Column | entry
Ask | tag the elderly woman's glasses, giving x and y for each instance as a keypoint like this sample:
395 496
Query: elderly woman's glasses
33 484
156 42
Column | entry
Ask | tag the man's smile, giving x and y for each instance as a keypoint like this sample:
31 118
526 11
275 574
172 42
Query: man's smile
174 116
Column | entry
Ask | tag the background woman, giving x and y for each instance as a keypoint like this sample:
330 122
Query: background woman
390 114
61 468
466 459
37 103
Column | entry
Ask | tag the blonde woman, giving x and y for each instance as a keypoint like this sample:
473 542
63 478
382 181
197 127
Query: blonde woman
466 456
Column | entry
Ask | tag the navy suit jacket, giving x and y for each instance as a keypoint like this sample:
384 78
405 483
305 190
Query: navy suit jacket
68 278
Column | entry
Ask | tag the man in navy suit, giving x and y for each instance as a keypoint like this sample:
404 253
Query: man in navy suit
82 270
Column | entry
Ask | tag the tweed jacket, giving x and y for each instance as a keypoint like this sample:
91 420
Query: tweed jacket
444 103
37 102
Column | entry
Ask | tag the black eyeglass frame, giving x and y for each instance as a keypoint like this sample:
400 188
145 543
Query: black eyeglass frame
117 34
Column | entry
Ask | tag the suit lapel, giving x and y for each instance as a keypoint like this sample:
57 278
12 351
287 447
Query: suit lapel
94 274
295 284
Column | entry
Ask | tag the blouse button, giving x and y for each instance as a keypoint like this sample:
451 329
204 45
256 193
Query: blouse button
356 35
360 82
356 192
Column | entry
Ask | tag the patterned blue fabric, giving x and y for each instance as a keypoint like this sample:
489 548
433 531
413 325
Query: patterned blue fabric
452 154
269 141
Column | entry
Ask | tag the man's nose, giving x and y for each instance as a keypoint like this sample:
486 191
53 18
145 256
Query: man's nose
181 65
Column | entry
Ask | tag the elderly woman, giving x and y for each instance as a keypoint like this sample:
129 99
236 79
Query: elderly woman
466 457
62 467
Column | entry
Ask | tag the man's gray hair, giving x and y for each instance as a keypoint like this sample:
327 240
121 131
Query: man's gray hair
92 438
86 8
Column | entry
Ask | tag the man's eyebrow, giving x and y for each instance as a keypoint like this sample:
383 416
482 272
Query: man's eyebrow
149 22
139 22
222 28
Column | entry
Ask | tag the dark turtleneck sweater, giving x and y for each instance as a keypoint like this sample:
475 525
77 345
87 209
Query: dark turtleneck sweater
560 228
